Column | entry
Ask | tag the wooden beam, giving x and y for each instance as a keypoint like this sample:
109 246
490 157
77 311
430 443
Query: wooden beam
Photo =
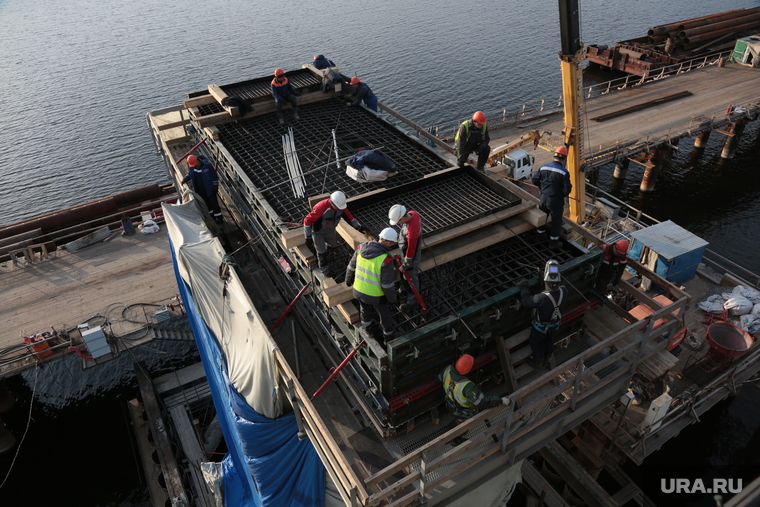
212 132
306 255
349 312
167 126
506 365
351 236
203 100
665 284
337 294
219 94
261 109
293 238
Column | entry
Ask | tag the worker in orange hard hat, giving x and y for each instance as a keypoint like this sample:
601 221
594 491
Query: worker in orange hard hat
554 181
363 93
472 136
282 91
205 184
463 396
614 261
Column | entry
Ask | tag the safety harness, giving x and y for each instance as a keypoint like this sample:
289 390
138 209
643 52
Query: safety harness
556 318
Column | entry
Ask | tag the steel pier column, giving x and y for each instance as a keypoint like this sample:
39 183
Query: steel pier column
732 140
621 168
656 160
701 140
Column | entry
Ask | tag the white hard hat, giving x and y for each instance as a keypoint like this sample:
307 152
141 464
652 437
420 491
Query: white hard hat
389 234
395 214
338 199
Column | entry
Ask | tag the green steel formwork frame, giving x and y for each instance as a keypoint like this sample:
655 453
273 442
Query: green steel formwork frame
414 359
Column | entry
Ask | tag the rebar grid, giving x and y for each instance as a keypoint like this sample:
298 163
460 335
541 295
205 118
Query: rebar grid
466 281
260 87
441 205
256 145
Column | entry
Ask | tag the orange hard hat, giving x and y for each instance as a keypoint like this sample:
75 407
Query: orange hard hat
464 364
278 72
622 246
355 81
479 117
561 152
192 160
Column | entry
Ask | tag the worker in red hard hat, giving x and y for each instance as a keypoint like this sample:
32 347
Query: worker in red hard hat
472 136
463 396
282 91
614 261
363 93
205 184
554 181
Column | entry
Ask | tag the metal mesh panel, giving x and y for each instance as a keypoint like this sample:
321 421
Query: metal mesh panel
261 87
256 145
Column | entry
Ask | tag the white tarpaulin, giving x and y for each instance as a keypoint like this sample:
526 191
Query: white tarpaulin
228 312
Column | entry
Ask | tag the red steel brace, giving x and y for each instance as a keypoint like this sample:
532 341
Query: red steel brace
290 307
411 284
335 371
183 157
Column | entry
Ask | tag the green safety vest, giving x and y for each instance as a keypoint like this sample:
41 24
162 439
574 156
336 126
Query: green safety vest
368 275
455 390
467 129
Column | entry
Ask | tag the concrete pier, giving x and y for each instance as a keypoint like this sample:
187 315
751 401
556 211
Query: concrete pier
732 140
621 168
656 159
701 140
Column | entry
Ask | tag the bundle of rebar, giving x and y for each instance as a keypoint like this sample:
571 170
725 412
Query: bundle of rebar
292 164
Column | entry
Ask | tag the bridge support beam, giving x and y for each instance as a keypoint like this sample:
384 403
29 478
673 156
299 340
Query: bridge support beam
621 168
656 159
7 440
701 140
732 139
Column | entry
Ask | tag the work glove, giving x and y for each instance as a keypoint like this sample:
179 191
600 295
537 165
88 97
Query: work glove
522 283
349 283
363 229
407 264
505 401
349 104
310 243
460 164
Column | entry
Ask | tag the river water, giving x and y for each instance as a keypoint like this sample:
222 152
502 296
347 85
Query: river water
79 77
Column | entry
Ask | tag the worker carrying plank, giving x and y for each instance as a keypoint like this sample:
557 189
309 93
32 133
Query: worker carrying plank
410 243
319 227
547 314
472 136
464 398
554 181
371 272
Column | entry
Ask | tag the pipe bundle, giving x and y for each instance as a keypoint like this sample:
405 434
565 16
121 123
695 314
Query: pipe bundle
293 165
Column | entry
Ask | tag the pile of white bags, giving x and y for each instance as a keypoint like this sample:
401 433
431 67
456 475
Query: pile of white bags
742 302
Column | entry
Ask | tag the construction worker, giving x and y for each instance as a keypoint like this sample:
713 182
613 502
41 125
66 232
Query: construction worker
282 90
205 184
547 314
410 243
614 261
363 93
554 182
320 62
373 284
319 227
463 396
472 136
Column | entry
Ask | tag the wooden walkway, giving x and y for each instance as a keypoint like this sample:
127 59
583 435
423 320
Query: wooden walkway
68 288
712 90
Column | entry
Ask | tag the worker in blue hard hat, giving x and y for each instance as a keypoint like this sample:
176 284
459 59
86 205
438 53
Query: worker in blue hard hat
371 272
547 314
472 136
554 181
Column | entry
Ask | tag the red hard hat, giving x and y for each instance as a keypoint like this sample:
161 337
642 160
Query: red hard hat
561 152
479 117
192 160
622 246
355 81
464 364
278 72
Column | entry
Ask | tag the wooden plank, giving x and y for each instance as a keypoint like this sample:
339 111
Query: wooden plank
576 476
193 452
202 100
536 217
668 286
219 94
167 126
337 294
261 109
306 255
212 132
315 199
350 235
292 238
349 312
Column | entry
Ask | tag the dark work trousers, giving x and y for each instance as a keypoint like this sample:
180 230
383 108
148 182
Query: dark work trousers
213 205
541 345
367 314
603 277
483 152
293 102
555 210
414 274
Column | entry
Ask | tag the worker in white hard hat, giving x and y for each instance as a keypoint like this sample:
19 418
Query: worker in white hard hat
319 227
410 243
371 272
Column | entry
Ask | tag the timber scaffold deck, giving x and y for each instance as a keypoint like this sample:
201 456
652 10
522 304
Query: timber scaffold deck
383 434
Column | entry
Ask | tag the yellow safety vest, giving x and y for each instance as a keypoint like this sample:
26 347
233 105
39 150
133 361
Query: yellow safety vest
368 275
455 390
